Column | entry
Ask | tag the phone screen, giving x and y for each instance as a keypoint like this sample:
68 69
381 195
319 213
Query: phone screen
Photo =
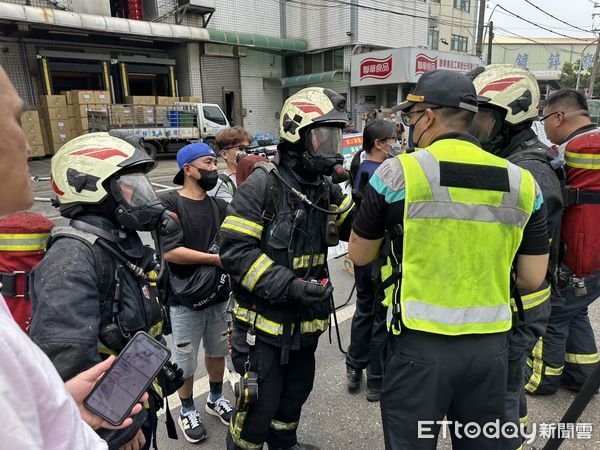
127 379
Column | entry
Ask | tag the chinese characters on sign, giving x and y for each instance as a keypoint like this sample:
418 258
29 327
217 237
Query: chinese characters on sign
554 61
521 60
425 63
379 68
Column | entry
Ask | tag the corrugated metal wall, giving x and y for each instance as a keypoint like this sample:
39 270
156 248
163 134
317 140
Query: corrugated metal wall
14 62
220 75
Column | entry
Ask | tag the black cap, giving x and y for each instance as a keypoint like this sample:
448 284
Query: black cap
442 88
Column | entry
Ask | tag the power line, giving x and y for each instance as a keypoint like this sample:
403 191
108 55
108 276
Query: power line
556 18
539 26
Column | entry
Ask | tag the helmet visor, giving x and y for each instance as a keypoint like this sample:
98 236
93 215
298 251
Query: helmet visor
486 124
325 141
134 189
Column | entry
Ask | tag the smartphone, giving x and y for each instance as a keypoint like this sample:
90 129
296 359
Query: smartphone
121 387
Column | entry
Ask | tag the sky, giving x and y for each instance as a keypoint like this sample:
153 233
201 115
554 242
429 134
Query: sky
574 12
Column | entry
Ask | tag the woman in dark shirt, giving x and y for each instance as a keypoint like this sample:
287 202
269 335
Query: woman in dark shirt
368 324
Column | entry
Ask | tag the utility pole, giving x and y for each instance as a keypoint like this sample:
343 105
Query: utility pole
595 60
490 40
479 44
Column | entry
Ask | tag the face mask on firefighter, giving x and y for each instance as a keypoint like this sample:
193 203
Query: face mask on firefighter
486 127
323 153
138 207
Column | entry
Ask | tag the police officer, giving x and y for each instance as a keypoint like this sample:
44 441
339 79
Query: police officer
567 354
458 217
274 246
503 124
90 293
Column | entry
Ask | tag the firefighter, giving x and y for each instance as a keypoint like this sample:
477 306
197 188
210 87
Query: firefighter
274 246
90 292
457 217
508 99
567 354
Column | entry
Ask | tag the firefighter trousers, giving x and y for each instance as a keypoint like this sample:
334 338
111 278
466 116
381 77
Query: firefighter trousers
368 330
282 391
566 355
521 341
428 376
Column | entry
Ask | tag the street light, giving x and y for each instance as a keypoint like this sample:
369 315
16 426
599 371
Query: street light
581 61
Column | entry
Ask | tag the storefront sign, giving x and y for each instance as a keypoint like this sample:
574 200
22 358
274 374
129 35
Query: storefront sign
378 68
351 144
406 65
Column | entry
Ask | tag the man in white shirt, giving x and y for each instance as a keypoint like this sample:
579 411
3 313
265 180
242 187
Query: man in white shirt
39 411
231 141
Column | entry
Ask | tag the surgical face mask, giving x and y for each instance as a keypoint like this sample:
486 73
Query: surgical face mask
208 179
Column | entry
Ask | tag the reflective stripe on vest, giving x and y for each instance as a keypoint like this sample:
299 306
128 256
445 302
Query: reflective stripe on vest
242 226
262 263
273 328
302 262
347 200
459 243
23 242
583 160
532 300
283 426
581 358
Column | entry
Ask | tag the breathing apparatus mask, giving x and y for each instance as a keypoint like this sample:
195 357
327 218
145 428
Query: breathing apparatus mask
488 128
323 153
138 208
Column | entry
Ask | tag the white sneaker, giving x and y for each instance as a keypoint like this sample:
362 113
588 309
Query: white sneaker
221 409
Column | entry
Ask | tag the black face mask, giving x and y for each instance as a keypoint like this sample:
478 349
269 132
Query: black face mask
208 179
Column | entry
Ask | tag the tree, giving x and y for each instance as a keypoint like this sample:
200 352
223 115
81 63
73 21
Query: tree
568 77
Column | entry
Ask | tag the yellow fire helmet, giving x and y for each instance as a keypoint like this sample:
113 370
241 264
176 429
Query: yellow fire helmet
308 108
81 168
510 88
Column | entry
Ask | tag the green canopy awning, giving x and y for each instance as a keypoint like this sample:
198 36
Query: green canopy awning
313 78
256 40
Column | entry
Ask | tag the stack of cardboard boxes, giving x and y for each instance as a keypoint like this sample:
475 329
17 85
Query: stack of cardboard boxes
82 102
30 122
55 122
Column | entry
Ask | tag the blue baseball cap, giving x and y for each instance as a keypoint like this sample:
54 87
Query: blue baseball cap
189 153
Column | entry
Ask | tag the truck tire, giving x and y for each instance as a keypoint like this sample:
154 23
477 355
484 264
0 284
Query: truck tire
152 148
211 142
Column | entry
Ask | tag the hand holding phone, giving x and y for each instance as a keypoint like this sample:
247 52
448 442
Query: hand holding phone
82 384
124 384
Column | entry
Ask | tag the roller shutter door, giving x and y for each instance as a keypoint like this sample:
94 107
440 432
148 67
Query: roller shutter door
221 80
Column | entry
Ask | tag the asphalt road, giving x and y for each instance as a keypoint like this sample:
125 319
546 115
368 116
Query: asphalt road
333 418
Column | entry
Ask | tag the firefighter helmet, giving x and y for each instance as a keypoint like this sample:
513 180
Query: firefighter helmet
309 108
510 88
82 168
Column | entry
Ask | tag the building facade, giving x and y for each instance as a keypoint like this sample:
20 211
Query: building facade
245 55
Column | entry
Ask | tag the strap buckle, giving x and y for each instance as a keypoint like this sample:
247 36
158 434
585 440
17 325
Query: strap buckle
9 283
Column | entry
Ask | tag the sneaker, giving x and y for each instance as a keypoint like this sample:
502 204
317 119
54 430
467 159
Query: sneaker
373 395
221 408
190 424
353 378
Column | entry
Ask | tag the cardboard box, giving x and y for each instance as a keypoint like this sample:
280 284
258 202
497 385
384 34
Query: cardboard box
60 137
78 111
35 136
140 100
81 125
53 101
54 113
31 129
190 99
102 97
98 108
166 100
36 151
58 126
121 115
144 114
81 97
30 117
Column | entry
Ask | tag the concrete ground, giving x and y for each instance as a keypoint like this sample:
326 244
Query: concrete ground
332 418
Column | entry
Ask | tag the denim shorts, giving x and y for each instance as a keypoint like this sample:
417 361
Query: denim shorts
190 327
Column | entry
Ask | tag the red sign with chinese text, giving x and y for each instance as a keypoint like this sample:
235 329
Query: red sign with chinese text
378 68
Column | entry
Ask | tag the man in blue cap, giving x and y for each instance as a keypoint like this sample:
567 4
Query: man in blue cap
200 217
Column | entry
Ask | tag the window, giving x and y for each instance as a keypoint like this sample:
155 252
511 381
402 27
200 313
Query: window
317 63
435 1
459 43
338 59
328 61
464 5
214 114
433 39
